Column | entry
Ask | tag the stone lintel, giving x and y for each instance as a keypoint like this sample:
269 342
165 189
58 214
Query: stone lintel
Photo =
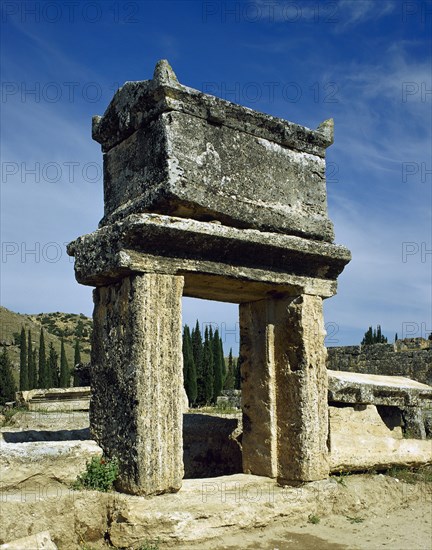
218 262
397 391
210 280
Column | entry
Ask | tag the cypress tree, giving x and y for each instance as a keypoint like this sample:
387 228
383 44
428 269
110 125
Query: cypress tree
77 353
222 357
64 369
34 369
367 338
230 378
186 359
7 383
30 370
53 371
189 371
217 365
197 352
43 381
375 337
24 382
237 384
207 369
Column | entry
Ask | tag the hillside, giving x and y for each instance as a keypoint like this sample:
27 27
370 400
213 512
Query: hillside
56 325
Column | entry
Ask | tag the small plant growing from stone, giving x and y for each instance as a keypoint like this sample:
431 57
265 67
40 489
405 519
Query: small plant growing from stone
100 475
312 518
149 545
355 519
341 478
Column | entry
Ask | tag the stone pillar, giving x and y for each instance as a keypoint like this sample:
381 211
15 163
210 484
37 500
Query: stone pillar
414 422
137 380
284 389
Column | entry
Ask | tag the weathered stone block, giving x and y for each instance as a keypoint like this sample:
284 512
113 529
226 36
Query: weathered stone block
137 380
360 439
55 399
174 150
39 541
284 389
398 391
211 446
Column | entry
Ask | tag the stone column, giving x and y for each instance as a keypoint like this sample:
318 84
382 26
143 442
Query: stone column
137 380
284 389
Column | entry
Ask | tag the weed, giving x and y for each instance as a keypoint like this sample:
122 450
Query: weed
411 475
312 518
355 519
10 413
149 545
100 475
341 477
408 433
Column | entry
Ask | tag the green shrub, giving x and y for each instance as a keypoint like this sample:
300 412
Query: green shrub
312 518
100 475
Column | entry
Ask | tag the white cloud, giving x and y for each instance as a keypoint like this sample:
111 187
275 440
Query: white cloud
339 15
360 11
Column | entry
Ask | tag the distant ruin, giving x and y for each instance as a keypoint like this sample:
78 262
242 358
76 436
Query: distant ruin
411 357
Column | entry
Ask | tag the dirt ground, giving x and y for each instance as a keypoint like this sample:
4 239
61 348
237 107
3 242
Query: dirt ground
406 528
355 512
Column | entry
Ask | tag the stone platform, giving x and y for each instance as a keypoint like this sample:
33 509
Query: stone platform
55 399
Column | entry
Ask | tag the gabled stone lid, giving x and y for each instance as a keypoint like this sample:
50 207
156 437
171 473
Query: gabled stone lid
136 103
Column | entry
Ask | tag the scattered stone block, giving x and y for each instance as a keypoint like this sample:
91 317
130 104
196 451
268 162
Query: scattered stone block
39 541
55 399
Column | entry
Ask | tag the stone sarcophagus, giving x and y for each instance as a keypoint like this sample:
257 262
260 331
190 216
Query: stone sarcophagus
208 199
173 150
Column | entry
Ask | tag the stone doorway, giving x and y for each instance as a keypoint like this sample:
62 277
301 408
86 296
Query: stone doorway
207 199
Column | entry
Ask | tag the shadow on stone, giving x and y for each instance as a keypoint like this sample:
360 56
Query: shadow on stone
391 416
211 446
47 435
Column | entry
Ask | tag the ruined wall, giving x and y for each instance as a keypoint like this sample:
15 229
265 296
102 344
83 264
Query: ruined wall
411 357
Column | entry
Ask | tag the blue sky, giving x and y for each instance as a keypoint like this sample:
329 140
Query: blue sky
365 63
